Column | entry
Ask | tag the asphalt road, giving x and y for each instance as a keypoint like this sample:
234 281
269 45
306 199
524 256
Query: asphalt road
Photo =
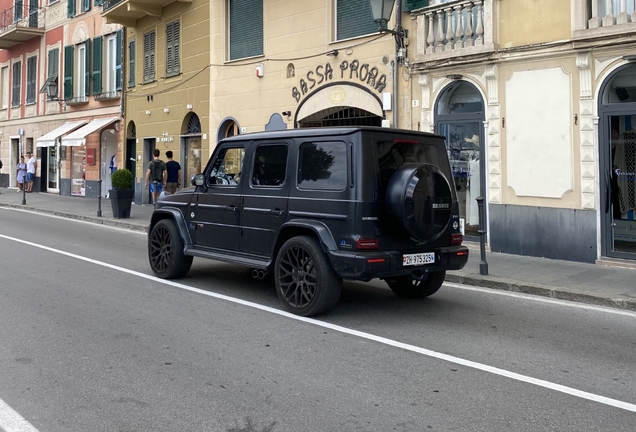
91 341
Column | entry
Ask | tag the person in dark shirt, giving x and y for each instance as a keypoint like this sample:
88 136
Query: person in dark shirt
174 174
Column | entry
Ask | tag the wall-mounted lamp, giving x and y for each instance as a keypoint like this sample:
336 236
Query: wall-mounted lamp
286 113
166 110
454 77
147 112
189 106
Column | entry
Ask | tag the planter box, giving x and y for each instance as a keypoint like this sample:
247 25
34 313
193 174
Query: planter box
121 202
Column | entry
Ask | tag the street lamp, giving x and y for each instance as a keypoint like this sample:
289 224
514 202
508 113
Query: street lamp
381 10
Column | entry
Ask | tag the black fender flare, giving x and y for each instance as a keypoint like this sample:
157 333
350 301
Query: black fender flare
176 215
319 228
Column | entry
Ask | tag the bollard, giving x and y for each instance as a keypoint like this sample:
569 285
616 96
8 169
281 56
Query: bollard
483 265
99 199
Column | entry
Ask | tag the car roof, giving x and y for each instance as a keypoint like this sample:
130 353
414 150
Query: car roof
325 131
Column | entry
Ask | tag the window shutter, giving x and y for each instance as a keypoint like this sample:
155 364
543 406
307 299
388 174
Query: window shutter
119 59
18 10
54 63
71 8
409 5
131 63
87 70
246 28
149 56
99 2
31 77
69 52
86 5
17 79
172 48
97 65
354 19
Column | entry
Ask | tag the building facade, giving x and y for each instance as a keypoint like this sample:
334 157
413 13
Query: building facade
536 100
59 75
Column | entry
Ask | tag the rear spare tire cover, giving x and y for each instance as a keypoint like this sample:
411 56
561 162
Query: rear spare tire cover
419 199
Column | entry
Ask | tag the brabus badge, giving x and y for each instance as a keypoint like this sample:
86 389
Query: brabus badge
441 206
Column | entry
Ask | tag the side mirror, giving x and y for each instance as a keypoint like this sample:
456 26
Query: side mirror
198 180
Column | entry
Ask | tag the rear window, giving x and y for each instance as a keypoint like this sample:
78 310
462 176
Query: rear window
393 152
322 166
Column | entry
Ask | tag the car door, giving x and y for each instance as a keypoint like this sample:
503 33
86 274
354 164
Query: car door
265 197
216 216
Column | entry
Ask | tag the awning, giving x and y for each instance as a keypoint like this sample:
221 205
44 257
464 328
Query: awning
48 139
78 137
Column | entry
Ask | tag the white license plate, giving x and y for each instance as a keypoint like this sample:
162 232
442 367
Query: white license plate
418 259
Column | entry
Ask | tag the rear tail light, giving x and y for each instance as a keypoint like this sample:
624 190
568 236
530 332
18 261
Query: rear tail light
457 239
462 253
367 244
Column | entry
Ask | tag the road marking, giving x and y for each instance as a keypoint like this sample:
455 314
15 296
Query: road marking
363 335
11 421
541 299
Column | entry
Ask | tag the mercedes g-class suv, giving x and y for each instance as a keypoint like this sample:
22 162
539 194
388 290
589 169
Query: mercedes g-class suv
317 206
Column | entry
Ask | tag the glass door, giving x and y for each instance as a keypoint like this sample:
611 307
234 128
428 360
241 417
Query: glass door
53 163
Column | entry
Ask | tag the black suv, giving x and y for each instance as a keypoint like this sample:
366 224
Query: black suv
317 206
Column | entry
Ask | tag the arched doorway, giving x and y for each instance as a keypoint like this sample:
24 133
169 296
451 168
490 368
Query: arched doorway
191 152
617 158
341 116
459 116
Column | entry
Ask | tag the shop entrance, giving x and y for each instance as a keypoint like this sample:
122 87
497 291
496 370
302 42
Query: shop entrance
459 118
617 112
341 116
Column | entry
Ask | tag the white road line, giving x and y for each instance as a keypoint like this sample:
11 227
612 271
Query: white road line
11 421
540 299
389 342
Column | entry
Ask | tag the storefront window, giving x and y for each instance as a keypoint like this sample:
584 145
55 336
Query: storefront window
78 171
193 158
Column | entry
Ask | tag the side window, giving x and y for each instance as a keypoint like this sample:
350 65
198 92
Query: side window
227 167
322 166
270 165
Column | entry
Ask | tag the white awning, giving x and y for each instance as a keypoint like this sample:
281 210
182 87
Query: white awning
78 137
48 140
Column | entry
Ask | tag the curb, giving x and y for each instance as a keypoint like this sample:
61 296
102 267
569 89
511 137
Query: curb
93 219
543 291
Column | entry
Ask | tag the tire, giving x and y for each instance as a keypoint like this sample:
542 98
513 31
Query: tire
306 282
419 198
407 287
165 251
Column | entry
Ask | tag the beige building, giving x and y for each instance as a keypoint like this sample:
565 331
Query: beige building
537 101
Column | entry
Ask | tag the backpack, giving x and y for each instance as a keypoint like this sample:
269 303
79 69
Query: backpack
157 171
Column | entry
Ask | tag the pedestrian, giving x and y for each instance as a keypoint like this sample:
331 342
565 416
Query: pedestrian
156 175
174 174
21 171
32 165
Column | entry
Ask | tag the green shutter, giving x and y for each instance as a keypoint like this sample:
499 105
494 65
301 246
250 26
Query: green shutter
99 2
131 63
246 28
87 71
31 79
119 59
17 10
69 52
17 80
354 18
409 5
149 57
172 49
97 65
71 8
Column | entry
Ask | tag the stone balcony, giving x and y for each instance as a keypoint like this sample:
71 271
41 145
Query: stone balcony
603 18
127 12
19 24
455 28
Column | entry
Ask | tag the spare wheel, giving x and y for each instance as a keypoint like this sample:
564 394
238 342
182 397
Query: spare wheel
419 199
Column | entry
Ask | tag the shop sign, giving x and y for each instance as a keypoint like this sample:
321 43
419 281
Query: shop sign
350 70
166 138
90 156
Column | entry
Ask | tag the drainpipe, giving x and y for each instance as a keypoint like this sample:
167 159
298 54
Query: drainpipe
398 59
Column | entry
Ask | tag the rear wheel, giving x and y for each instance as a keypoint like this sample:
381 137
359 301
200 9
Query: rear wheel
306 282
165 251
409 287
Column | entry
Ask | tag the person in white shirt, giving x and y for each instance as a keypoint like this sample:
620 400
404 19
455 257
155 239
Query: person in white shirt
32 165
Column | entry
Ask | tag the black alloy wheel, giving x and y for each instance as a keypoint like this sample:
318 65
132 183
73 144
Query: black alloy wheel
305 280
425 285
165 251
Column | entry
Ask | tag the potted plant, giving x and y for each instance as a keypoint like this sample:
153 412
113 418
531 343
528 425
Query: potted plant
121 196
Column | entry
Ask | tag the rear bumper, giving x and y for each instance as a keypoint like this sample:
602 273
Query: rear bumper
371 265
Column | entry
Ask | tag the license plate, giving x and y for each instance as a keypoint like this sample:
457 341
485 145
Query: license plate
418 259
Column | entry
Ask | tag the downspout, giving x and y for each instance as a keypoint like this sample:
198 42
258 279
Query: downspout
398 54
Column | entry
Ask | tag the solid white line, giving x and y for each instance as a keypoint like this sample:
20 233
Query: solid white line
389 342
540 299
11 421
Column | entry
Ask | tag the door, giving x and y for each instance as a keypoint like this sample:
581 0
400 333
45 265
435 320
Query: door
216 216
149 147
33 13
53 168
108 159
266 193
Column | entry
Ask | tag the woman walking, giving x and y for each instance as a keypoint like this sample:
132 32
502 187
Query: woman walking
21 170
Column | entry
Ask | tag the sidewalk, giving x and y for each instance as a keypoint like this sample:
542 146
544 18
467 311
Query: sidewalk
611 286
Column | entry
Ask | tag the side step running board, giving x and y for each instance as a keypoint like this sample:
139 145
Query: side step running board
225 257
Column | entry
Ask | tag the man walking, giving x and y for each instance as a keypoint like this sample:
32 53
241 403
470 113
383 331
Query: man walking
32 165
174 173
156 175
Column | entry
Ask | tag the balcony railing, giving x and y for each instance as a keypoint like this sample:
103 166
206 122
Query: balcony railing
109 4
605 17
21 17
454 28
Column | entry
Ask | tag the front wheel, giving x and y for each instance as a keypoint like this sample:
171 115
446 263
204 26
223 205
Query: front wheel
306 282
165 251
408 287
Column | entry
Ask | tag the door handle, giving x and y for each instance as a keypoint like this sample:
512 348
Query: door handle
278 212
230 208
608 192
